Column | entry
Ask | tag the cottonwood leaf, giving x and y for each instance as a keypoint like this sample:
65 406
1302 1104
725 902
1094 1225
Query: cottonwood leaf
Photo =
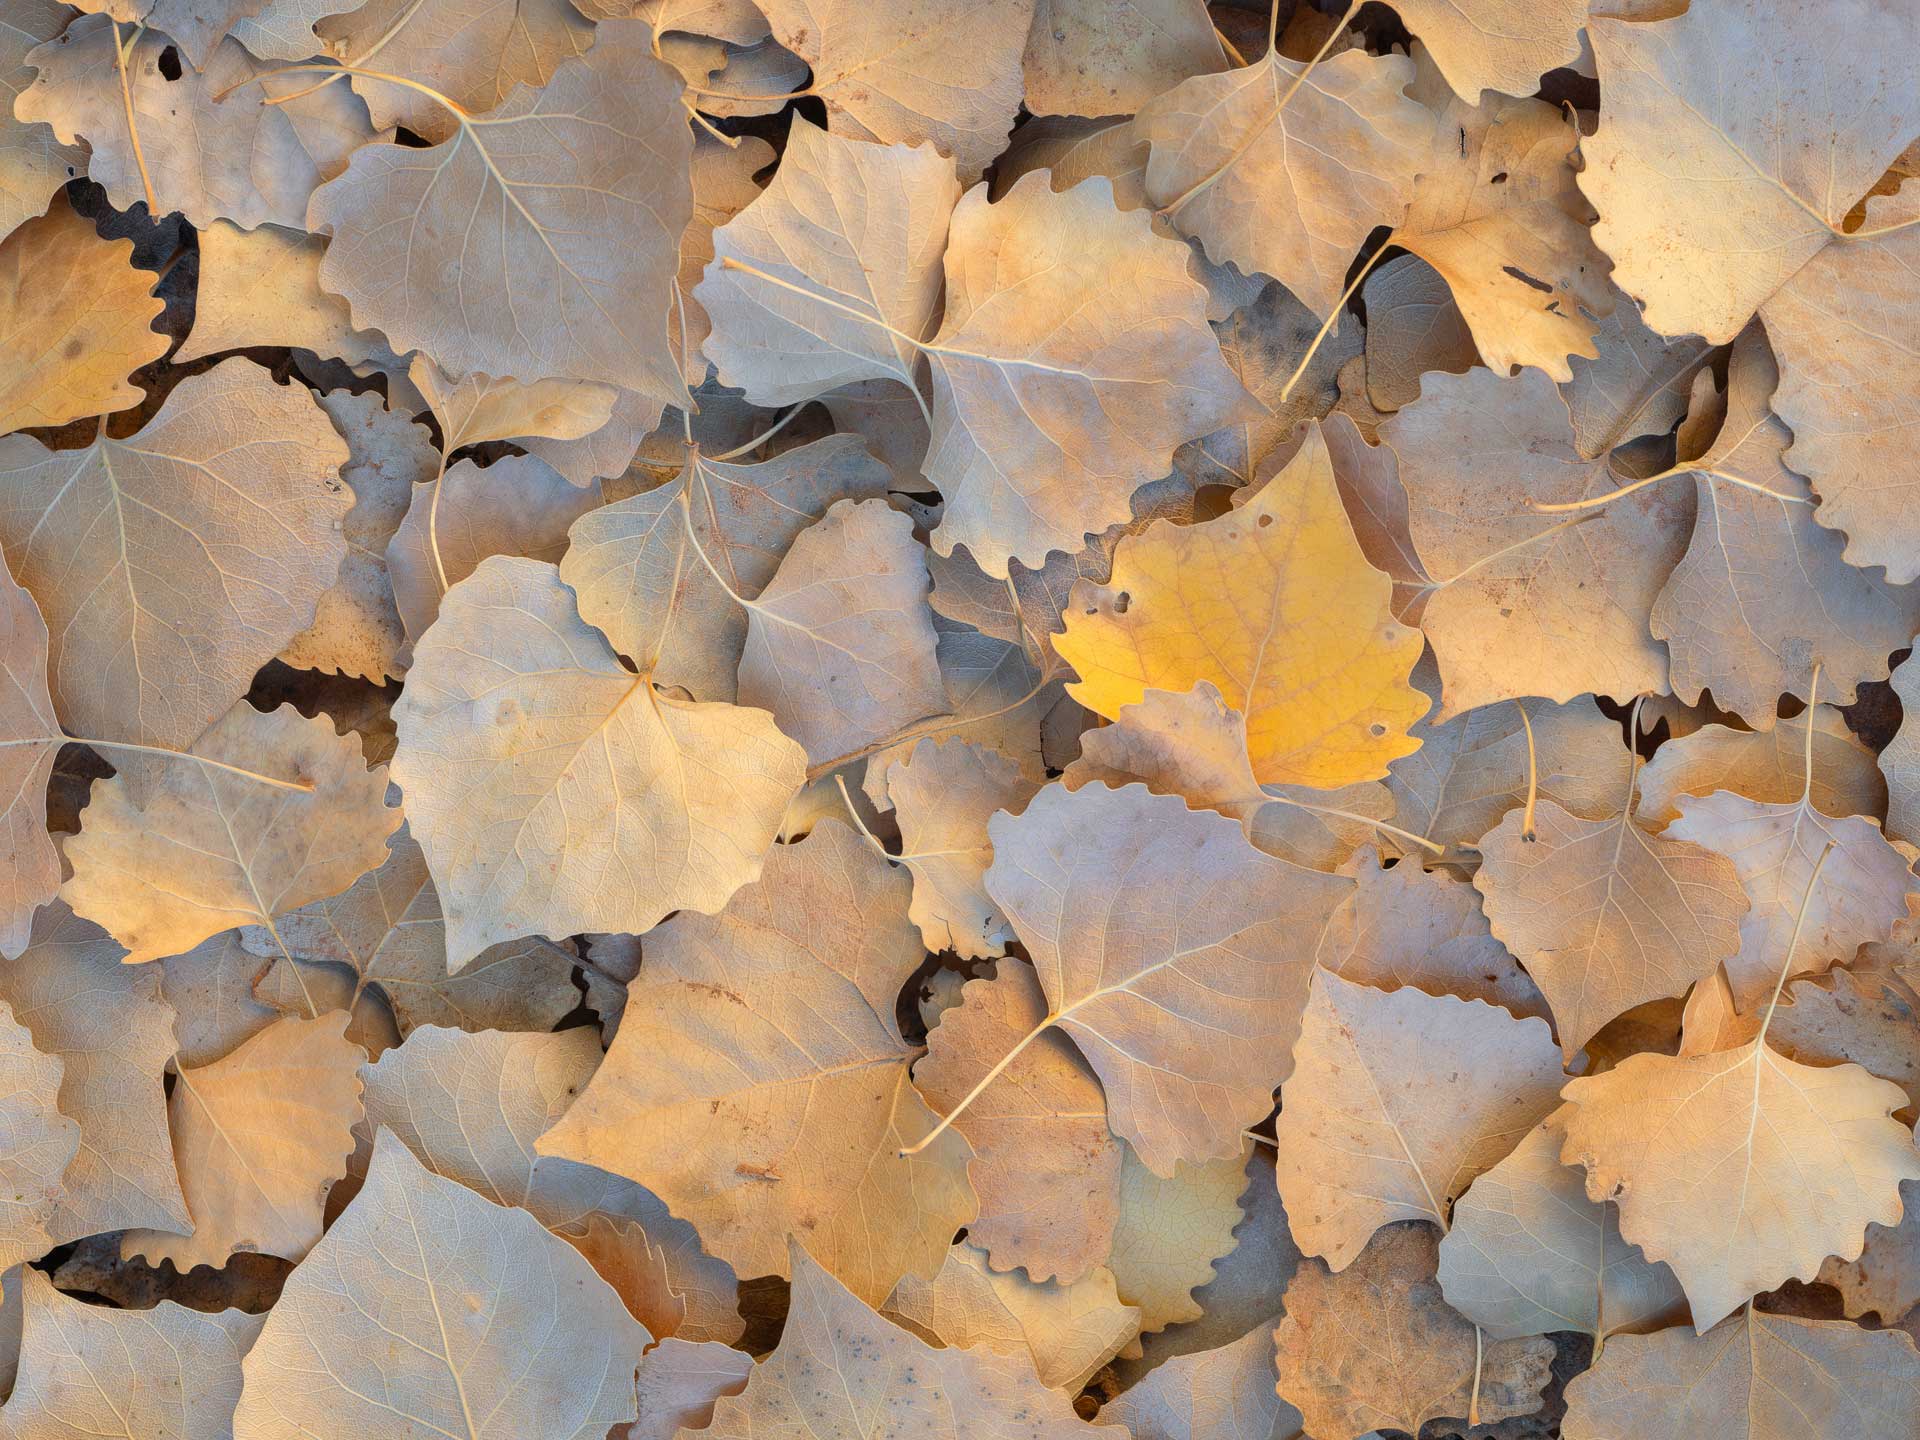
1150 926
1528 603
758 1083
207 849
678 1383
638 578
1275 604
1063 315
1762 595
1755 1376
1711 196
1066 1331
1885 1280
840 643
601 148
388 930
1849 1016
1170 1231
1529 1254
1376 1347
1094 59
519 720
1407 925
622 1255
913 71
1504 45
29 740
33 164
944 794
1498 215
210 988
88 1370
474 54
1193 746
1605 915
723 186
840 218
1045 1166
284 29
470 1107
1637 384
173 565
1768 766
477 407
1397 1100
1413 326
1226 1393
112 1030
1740 1169
429 1310
1859 896
1284 169
519 505
75 321
210 159
259 1137
886 1381
38 1145
1900 760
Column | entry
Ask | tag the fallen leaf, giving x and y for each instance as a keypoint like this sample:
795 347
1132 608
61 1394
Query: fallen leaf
1848 1016
944 794
1223 1394
262 287
1768 766
1413 326
678 1384
38 1145
1170 1231
1504 45
210 988
33 164
29 741
1093 59
1637 384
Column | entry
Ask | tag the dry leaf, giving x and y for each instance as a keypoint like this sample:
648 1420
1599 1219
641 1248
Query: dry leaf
33 164
1273 603
622 1255
1768 766
211 991
1170 1232
427 1308
678 1384
1504 45
1754 1377
1846 1016
1397 1100
510 645
64 289
1089 58
1636 385
758 1083
1376 1347
168 1371
262 287
1223 1394
37 1147
1413 326
211 846
535 293
1152 926
29 740
1885 1280
1900 760
173 565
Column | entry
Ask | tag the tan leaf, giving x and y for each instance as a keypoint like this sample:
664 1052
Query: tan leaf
1636 385
262 287
1712 196
1276 605
1170 1231
1397 1100
1504 45
1285 169
941 70
283 29
602 147
210 988
38 1146
1900 760
1085 57
1073 360
428 1310
723 186
1368 474
758 1083
1173 953
235 159
1605 915
1498 214
1529 1254
209 848
33 164
1045 1167
173 565
1860 894
1226 1393
595 749
75 321
388 930
1376 1347
1753 1377
866 223
1413 326
1066 1331
678 1384
943 795
518 505
1529 603
840 643
1885 1280
474 54
623 1255
1844 1016
259 1137
470 1107
1768 766
478 407
29 740
1698 1150
1406 925
112 1031
166 1371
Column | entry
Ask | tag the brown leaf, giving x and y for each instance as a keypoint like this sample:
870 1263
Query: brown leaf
33 164
1170 1231
38 1146
1768 766
1222 1394
1085 57
1413 326
29 740
1504 45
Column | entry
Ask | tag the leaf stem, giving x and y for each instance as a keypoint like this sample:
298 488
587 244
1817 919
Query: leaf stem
1394 830
1806 760
760 439
1533 773
922 729
126 101
1333 316
1597 501
987 1079
1793 941
305 788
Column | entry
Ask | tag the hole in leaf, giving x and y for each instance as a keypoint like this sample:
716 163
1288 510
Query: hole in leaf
170 63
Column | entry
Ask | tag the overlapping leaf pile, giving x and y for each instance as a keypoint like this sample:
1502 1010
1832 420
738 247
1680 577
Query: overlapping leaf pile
990 718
